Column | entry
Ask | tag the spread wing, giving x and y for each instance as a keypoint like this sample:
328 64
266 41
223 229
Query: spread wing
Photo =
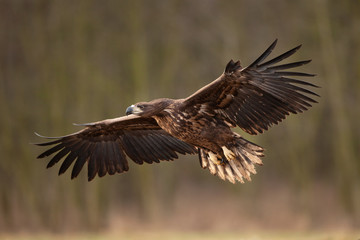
258 96
105 144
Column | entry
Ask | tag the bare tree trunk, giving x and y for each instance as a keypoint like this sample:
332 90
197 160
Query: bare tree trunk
344 155
139 65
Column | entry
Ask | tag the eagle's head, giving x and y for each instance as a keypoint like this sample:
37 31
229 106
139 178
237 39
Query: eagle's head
147 109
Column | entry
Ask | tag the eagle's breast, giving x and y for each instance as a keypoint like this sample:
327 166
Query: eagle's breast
195 125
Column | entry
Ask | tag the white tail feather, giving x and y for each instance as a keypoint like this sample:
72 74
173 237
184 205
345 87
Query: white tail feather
241 159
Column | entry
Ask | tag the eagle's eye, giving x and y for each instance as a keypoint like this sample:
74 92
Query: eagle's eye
141 106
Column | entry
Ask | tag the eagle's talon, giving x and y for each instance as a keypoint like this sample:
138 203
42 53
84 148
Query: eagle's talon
223 161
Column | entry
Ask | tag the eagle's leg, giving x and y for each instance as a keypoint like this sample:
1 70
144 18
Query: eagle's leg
223 160
218 158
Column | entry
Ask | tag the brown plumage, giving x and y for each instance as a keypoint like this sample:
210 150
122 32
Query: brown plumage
253 98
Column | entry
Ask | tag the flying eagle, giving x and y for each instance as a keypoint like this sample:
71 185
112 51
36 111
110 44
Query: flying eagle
252 98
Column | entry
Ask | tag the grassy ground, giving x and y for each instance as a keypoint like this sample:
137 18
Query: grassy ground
189 235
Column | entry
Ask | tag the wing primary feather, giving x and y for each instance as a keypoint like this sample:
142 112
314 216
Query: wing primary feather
283 95
264 55
276 104
288 65
65 142
48 143
291 80
67 162
300 89
279 58
52 150
74 153
113 157
118 158
57 157
297 74
108 158
288 94
121 164
92 163
86 152
273 104
103 160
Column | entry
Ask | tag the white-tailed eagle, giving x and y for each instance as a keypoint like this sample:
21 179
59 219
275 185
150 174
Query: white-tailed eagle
252 98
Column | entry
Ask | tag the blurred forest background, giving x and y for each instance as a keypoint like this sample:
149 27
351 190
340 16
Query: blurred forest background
80 61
